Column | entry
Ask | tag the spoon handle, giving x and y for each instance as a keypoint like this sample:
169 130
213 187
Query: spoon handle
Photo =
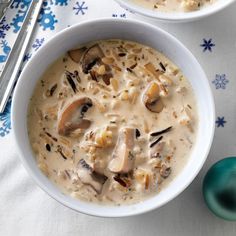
10 72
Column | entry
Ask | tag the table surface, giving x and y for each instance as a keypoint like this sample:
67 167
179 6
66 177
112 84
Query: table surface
26 210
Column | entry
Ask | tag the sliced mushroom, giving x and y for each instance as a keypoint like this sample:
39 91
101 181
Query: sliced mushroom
94 56
89 177
122 157
151 98
77 54
72 117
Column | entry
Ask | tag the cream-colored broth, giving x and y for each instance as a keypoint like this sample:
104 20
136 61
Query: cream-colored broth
174 5
116 109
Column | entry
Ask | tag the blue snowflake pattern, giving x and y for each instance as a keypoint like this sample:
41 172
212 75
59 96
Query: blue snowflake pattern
22 6
119 15
220 81
220 122
20 3
61 2
5 120
207 45
47 19
6 51
80 8
38 43
3 27
27 57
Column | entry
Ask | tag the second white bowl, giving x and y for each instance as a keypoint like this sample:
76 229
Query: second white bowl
175 17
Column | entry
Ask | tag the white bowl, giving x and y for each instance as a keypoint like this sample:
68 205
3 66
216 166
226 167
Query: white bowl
107 29
175 16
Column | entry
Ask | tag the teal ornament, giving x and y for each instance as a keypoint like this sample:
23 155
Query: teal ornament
219 188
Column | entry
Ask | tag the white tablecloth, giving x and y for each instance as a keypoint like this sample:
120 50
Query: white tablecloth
26 210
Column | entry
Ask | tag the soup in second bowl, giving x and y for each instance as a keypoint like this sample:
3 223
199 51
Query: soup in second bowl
112 122
174 5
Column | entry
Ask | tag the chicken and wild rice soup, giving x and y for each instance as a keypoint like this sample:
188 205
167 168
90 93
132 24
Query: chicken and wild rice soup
112 122
174 5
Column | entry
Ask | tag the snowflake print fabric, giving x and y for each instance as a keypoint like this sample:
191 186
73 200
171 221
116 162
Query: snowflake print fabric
4 27
27 57
5 120
38 43
119 15
207 45
80 8
22 8
220 81
47 19
220 122
5 51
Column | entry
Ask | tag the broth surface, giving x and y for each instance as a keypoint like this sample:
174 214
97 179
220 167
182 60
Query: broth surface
112 122
174 5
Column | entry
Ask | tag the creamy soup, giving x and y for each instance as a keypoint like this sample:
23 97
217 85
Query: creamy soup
174 5
112 122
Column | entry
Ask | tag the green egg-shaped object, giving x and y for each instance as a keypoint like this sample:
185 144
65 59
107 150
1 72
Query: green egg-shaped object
219 188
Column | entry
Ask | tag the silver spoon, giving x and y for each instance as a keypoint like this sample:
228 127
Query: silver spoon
10 72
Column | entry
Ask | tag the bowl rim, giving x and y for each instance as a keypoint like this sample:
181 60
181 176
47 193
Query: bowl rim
17 95
174 17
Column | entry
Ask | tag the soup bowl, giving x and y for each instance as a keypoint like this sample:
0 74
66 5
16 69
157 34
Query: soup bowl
175 17
128 30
